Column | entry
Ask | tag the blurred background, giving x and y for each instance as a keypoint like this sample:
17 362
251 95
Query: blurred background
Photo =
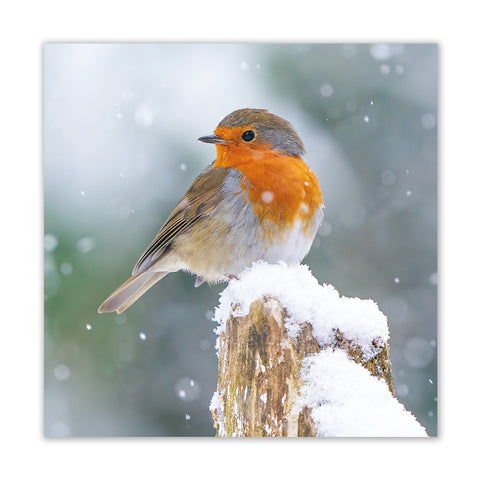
120 149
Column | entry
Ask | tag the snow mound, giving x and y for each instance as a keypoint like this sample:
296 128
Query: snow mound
347 401
305 300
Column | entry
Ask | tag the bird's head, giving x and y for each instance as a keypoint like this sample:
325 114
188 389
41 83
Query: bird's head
256 129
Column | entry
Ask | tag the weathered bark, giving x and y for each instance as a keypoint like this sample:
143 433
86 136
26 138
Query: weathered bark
259 373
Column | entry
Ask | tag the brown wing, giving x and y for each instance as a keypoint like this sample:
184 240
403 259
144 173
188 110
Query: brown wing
201 198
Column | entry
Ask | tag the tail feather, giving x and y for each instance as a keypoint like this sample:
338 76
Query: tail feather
130 291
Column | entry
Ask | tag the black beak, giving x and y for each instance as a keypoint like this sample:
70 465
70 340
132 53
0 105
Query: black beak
213 139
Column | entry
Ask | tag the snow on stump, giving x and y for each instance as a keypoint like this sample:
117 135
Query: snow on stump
296 359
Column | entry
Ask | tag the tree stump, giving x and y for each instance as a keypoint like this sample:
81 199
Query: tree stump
259 373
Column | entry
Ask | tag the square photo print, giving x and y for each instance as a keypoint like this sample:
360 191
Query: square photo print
240 240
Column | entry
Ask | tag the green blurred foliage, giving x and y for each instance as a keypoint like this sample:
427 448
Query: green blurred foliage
120 127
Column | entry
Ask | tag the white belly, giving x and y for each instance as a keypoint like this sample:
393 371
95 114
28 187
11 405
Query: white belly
291 247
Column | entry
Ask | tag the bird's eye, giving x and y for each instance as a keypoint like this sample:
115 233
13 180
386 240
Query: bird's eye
249 135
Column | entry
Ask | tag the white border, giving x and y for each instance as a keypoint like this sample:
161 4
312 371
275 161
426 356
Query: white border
25 26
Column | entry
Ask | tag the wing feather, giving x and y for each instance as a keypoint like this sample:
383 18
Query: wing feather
201 198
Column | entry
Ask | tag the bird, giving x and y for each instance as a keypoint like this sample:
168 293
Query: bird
257 201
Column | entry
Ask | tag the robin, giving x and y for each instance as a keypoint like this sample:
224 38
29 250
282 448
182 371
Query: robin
257 201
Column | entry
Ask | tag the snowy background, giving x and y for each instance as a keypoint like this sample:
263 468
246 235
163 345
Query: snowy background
120 129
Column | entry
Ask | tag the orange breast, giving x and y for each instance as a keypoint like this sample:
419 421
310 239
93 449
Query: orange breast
281 188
